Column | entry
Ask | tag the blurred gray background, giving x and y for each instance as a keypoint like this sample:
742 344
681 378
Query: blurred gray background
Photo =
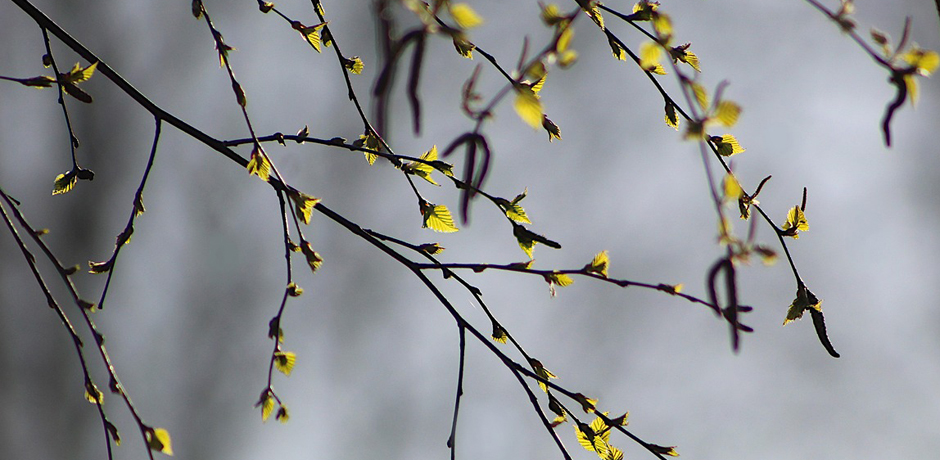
187 316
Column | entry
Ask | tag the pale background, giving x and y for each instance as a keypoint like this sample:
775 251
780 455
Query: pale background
187 316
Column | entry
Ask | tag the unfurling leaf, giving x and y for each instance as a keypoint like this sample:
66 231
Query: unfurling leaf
804 301
100 267
239 94
354 65
599 265
796 222
64 182
732 188
92 393
464 15
431 249
499 334
650 54
158 439
617 51
513 210
587 404
113 431
266 402
294 290
311 34
371 142
282 415
672 118
554 132
265 7
560 279
303 205
542 372
422 169
682 53
284 361
463 46
664 450
528 106
727 145
313 257
259 164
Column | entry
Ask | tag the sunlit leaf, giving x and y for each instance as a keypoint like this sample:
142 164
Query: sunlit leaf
542 372
701 96
554 132
559 279
369 141
354 65
266 402
528 106
795 223
259 165
464 47
158 439
551 15
100 267
465 16
664 450
437 218
284 361
422 169
727 145
313 257
64 182
804 301
499 334
599 264
650 54
564 39
731 187
282 415
92 393
727 113
303 205
924 61
617 51
672 118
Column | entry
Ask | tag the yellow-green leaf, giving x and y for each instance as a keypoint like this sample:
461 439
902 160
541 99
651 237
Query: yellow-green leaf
672 118
64 182
564 39
437 218
464 47
541 371
266 402
599 264
369 141
282 415
732 189
617 51
259 164
554 132
92 393
313 257
464 15
701 96
796 222
727 113
158 439
303 205
528 106
499 334
727 145
650 54
284 361
421 169
354 65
